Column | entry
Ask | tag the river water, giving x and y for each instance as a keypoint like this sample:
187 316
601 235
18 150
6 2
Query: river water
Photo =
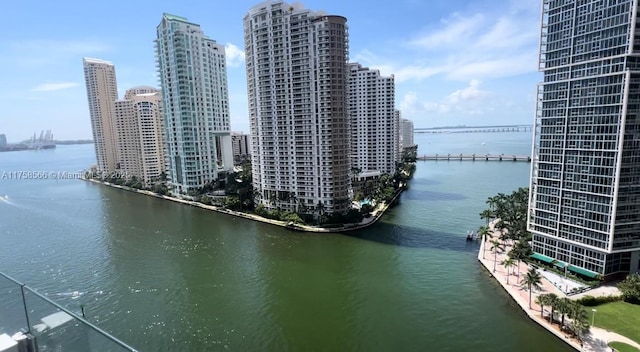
163 276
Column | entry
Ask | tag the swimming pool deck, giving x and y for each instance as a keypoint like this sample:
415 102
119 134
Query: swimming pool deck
596 339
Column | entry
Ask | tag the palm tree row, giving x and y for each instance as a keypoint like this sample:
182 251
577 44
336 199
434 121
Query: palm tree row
510 215
566 308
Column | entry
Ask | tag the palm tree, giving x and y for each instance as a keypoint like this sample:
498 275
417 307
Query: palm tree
293 200
542 300
495 245
484 232
508 263
520 251
531 280
320 209
552 301
580 323
487 214
564 307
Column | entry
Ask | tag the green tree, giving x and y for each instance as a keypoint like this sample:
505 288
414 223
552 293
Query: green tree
487 214
542 300
552 301
532 280
564 307
485 234
320 209
508 264
520 251
580 321
630 288
495 246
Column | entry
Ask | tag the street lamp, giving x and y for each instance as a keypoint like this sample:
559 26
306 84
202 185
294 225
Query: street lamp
593 317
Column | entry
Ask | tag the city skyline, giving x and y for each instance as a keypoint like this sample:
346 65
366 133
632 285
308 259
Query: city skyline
425 46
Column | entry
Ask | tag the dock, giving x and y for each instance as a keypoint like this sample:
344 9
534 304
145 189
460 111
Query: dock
474 157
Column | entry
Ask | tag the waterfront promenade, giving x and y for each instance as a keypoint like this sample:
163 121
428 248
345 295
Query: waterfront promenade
596 339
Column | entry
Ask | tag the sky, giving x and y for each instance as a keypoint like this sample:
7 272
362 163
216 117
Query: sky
455 62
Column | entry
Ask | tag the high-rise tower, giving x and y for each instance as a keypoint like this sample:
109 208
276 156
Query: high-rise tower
102 92
296 80
585 181
139 123
195 97
374 123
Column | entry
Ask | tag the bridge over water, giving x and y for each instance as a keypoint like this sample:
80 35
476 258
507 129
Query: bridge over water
474 157
475 129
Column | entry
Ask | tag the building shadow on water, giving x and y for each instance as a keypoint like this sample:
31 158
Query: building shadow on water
424 195
407 236
422 181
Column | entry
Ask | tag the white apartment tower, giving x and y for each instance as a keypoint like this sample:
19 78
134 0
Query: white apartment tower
241 147
585 183
296 61
374 123
195 98
102 92
139 123
406 132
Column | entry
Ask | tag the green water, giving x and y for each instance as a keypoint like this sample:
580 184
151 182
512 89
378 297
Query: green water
163 276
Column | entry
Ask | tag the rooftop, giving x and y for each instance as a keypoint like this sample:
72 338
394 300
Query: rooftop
97 61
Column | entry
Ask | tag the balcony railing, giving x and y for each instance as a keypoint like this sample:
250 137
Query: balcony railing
31 322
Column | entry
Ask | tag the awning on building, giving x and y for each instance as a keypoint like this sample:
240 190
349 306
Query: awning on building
583 272
560 264
542 257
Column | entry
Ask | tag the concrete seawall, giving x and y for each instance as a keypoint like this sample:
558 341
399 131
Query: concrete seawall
375 216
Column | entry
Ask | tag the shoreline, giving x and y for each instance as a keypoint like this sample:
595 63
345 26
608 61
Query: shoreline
372 219
597 339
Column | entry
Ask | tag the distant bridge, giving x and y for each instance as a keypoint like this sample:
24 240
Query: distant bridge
475 129
474 157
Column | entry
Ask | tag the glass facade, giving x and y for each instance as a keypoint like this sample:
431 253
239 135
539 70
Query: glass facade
193 76
584 204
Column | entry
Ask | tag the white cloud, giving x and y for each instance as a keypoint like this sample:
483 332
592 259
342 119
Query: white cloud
470 100
472 92
493 43
455 27
409 102
235 56
49 87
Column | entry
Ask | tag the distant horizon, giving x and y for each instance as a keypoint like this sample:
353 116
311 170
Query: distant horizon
471 62
84 139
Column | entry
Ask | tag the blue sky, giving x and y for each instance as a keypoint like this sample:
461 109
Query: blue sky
455 62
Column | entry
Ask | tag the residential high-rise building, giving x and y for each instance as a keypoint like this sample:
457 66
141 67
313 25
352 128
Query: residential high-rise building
374 123
585 181
139 123
296 61
406 132
102 92
193 78
241 147
3 140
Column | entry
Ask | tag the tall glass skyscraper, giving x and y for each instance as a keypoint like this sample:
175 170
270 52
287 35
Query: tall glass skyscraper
585 181
195 97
